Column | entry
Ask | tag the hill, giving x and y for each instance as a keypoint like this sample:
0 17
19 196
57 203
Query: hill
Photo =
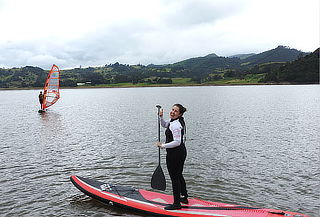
281 64
304 70
242 56
208 64
279 54
212 62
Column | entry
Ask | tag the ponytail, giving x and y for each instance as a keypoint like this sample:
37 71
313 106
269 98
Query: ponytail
182 109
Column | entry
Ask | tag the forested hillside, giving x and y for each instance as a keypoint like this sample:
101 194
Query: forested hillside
304 70
279 54
281 64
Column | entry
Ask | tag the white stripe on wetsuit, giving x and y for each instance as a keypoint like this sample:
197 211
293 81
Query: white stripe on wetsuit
176 128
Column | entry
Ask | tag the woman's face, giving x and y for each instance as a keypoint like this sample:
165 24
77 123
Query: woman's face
175 112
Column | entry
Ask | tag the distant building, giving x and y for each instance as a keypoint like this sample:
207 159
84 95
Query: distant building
84 83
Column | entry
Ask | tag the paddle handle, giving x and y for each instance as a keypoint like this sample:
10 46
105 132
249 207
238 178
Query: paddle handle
159 107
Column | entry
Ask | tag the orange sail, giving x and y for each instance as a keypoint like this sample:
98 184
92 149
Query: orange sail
51 88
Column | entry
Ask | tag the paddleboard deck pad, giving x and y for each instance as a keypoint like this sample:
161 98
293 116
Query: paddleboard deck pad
153 203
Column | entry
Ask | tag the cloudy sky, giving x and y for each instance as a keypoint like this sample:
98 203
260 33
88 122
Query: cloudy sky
71 33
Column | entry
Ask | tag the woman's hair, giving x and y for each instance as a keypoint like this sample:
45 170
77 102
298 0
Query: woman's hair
181 108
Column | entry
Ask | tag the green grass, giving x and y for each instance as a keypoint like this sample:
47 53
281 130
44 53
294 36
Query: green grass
127 84
182 81
249 79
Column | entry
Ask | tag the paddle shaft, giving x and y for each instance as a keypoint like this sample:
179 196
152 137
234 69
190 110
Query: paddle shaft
159 130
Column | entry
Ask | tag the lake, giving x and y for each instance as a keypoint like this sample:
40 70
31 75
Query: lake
247 145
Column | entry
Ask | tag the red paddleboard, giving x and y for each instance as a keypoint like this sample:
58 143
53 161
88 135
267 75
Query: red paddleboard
153 203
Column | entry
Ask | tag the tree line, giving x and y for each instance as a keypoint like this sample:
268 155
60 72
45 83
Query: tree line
206 69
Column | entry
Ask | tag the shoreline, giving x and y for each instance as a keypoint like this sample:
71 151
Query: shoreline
159 85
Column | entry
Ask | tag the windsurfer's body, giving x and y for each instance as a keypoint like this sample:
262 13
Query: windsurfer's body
41 97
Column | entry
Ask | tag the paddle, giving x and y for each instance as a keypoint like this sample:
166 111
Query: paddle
158 181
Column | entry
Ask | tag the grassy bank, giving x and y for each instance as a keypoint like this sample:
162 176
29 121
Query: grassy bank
176 82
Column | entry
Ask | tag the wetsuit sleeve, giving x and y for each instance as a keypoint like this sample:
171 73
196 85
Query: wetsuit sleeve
175 128
163 122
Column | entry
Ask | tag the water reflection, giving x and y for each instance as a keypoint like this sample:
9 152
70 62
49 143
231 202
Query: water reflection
254 145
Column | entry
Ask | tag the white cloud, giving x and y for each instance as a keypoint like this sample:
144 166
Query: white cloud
98 32
189 13
270 23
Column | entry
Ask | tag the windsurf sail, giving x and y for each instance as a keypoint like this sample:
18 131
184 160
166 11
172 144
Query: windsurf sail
51 89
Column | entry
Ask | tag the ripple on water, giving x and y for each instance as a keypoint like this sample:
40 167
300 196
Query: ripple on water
254 145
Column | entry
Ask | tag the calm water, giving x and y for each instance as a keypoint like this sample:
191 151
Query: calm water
247 145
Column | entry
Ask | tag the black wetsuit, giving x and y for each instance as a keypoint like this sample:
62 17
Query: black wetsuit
176 157
41 99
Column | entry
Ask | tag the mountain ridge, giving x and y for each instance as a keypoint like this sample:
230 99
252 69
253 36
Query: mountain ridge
289 65
212 62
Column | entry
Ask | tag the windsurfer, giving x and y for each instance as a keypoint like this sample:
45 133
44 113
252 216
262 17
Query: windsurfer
41 97
176 153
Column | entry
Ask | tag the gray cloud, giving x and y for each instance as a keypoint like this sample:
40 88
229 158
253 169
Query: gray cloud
176 31
190 13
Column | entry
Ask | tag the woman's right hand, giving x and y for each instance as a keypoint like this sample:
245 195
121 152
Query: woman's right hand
161 112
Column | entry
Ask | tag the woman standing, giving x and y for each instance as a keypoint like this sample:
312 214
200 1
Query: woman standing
176 153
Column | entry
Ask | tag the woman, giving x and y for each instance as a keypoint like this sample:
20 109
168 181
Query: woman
176 153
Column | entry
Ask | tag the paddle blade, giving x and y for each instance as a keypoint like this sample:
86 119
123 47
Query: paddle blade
158 181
